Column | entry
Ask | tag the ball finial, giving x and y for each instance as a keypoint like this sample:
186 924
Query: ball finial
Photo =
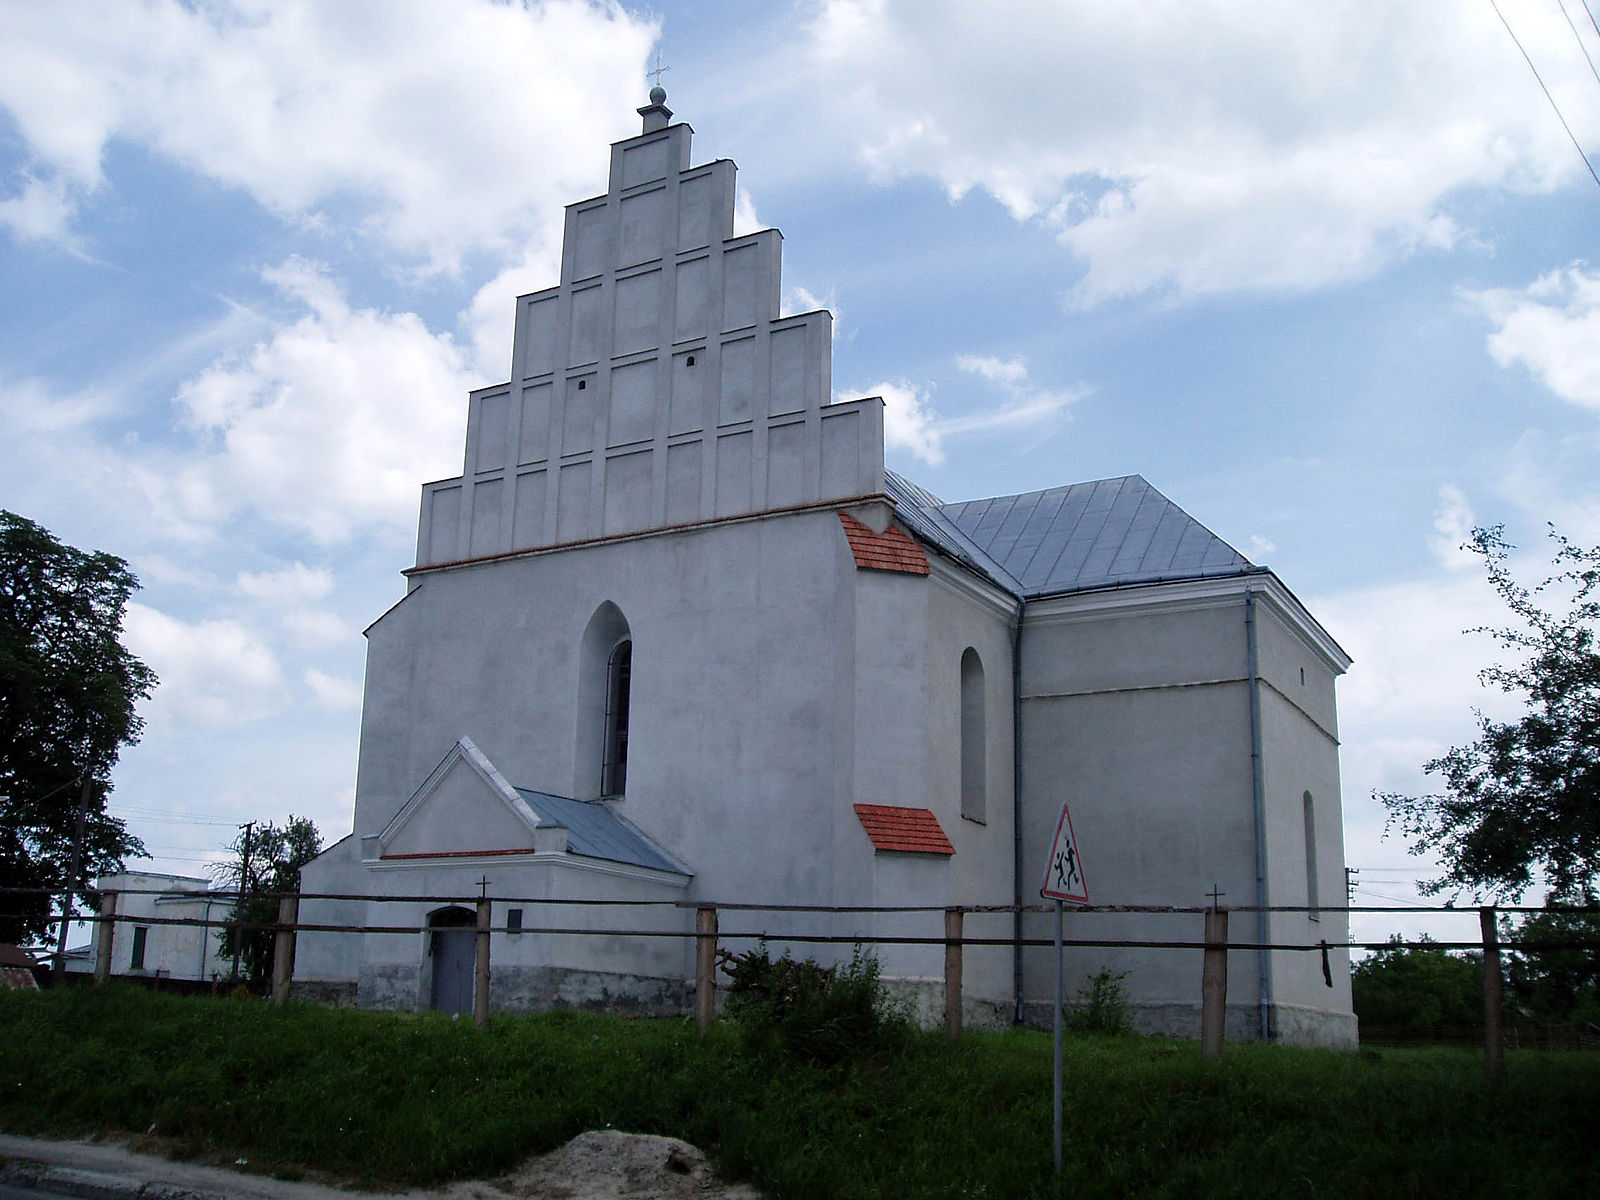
658 95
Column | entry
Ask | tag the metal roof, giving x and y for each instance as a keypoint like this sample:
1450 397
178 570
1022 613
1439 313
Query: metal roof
1106 533
595 831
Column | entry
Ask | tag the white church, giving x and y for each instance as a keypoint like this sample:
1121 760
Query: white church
676 634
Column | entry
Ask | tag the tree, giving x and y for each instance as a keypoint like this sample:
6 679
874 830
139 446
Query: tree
1521 804
266 863
68 691
1418 991
1555 982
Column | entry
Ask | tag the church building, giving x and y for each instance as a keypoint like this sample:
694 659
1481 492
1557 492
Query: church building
676 635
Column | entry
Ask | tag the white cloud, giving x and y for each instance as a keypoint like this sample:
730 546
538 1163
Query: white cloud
40 211
1259 547
329 426
434 118
315 627
1203 145
331 693
797 299
292 585
744 213
1452 526
213 672
910 422
1551 327
995 370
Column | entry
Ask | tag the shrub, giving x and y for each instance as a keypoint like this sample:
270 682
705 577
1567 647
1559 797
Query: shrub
800 1009
1102 1005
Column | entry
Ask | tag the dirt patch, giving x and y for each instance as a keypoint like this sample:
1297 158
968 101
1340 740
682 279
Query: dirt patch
608 1165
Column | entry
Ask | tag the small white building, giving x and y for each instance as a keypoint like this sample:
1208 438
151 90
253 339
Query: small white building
144 945
676 634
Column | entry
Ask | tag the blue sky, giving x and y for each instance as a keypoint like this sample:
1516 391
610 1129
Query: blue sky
1322 275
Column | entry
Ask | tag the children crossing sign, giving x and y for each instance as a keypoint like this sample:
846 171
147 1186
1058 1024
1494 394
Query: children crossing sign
1063 877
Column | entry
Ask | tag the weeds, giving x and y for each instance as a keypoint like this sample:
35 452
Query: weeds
1102 1005
403 1100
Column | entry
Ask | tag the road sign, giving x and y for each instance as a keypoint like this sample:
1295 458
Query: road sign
1063 876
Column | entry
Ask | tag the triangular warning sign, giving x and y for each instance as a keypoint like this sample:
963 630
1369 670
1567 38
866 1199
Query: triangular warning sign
1063 875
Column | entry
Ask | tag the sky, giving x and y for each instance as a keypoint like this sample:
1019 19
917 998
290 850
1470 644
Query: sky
1321 273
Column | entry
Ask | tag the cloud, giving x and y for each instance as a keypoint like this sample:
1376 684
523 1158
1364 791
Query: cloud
328 426
1452 526
331 693
1206 145
432 121
910 422
1551 327
293 585
213 672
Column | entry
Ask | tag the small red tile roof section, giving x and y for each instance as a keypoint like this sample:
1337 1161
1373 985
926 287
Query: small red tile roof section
891 550
907 830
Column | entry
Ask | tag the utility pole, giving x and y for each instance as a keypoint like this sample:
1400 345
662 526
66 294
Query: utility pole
238 906
72 878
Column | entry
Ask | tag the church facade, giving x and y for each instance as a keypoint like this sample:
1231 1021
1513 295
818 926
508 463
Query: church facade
675 636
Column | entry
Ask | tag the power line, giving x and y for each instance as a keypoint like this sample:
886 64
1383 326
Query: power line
1577 38
1557 108
1589 12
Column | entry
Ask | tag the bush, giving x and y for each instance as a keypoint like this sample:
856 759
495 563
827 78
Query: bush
798 1008
1102 1005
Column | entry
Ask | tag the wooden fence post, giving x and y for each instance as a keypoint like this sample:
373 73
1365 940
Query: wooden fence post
480 980
1214 984
283 949
104 937
1493 1044
705 966
952 973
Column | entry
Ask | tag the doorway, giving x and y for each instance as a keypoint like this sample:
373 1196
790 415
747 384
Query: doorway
453 945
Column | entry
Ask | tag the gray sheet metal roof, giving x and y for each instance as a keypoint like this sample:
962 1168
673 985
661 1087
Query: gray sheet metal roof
1106 533
594 831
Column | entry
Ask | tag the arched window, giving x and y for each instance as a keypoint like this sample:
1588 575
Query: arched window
1309 809
974 740
605 677
614 768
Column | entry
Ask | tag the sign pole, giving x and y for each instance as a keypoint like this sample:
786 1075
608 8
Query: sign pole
1057 1099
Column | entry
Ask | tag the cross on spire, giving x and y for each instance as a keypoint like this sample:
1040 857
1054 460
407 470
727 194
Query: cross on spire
656 72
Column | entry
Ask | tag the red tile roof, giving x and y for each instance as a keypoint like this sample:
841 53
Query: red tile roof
908 830
891 550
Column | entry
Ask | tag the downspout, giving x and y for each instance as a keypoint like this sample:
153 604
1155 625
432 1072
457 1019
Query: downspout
1016 812
1258 795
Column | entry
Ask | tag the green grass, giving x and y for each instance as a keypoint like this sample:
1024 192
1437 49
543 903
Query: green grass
400 1099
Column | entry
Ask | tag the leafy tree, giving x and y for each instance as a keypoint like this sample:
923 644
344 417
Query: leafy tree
1522 802
1418 990
68 691
1556 984
270 868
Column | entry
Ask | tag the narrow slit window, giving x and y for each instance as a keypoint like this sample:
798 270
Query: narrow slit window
141 938
1313 900
619 683
974 740
513 920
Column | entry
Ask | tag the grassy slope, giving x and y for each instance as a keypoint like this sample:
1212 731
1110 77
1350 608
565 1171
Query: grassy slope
408 1099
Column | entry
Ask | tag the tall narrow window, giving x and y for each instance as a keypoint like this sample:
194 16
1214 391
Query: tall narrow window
141 935
605 687
974 740
619 672
1312 898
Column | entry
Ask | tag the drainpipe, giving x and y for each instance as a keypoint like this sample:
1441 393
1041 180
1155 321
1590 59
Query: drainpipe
1258 794
1016 811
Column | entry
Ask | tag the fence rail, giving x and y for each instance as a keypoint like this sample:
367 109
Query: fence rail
708 936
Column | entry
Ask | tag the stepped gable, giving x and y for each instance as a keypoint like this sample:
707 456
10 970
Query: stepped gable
657 385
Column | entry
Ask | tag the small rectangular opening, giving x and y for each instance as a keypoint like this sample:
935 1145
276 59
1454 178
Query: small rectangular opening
513 920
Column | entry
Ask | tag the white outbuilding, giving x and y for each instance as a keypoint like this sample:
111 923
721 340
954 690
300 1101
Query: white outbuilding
676 634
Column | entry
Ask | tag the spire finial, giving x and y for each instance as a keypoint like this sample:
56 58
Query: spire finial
656 114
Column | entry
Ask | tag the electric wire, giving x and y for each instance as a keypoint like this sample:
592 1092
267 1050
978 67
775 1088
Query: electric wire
1553 105
1589 12
1593 70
